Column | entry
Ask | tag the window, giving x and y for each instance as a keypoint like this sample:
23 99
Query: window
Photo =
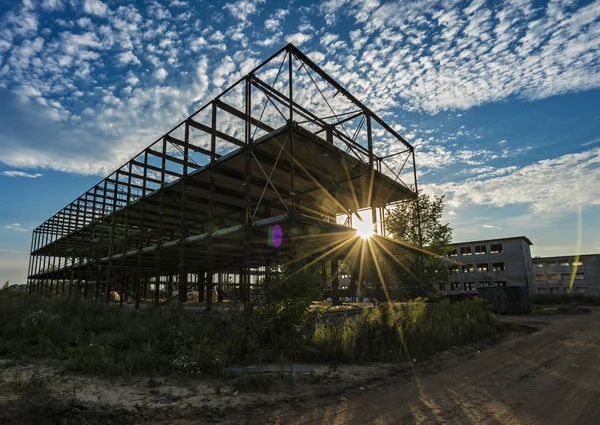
539 277
553 276
480 249
551 263
465 250
538 265
467 268
453 252
554 290
579 276
565 276
455 286
482 267
484 284
498 267
564 263
469 286
454 268
496 248
501 283
442 286
581 290
541 290
577 263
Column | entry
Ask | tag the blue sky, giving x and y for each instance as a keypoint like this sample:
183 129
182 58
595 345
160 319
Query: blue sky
500 99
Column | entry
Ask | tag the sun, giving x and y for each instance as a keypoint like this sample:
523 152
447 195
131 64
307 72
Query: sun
364 229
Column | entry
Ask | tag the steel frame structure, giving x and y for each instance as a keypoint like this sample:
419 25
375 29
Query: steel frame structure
201 203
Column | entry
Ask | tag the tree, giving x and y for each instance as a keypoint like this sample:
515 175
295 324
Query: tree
421 271
6 285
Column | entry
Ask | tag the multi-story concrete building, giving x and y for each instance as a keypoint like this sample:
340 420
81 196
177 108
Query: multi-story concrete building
491 262
556 275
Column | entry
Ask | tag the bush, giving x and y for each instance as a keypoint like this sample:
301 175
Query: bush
403 331
107 340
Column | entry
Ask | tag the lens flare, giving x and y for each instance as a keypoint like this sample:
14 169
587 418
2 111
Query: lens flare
276 236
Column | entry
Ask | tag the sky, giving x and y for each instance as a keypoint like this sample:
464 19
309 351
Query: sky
501 99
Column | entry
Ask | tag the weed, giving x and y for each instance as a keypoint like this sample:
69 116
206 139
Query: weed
104 340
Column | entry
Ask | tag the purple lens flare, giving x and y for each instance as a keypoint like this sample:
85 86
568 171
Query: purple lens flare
276 236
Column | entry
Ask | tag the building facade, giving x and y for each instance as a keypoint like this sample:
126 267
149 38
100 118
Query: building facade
567 274
491 262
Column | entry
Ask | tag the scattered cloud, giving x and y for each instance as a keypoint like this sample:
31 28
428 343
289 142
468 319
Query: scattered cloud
95 7
490 226
128 58
415 56
15 226
298 38
161 74
591 142
556 185
454 55
21 174
242 9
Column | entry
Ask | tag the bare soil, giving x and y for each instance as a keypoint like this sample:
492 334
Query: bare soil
546 370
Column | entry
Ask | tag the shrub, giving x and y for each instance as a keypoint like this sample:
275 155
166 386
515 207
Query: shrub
107 340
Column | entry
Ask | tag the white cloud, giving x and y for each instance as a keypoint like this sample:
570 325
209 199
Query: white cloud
160 74
21 174
591 142
451 55
128 58
554 185
15 226
298 38
52 4
490 226
502 142
95 7
274 21
242 9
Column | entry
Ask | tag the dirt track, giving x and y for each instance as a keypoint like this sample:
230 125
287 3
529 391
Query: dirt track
551 376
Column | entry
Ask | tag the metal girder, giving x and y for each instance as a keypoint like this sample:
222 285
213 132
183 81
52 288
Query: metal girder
164 215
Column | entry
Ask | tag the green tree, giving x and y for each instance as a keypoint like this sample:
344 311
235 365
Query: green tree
422 271
6 285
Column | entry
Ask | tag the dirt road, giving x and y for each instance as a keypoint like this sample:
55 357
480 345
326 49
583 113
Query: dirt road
551 376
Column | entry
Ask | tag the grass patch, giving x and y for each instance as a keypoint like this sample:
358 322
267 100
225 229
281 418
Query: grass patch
102 339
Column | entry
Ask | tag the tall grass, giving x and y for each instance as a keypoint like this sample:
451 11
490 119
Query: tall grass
108 340
404 331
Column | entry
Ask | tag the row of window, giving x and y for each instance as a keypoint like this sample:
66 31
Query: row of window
559 276
562 263
554 290
482 267
477 250
469 286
